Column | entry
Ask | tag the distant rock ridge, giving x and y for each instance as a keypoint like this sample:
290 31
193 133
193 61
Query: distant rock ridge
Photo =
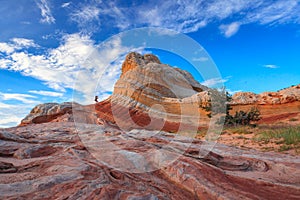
64 112
287 95
47 112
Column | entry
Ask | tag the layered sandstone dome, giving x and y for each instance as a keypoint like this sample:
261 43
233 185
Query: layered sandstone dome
156 96
170 95
148 95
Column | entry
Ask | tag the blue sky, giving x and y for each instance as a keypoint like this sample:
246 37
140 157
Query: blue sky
49 48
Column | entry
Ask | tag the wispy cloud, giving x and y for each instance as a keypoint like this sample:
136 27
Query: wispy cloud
233 92
46 93
201 59
45 12
16 44
23 98
215 82
9 120
87 17
77 59
23 43
25 22
276 12
11 115
230 29
190 15
64 5
271 66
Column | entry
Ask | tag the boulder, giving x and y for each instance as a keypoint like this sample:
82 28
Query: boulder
47 112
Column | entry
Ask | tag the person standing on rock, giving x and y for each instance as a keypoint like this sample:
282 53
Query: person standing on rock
96 98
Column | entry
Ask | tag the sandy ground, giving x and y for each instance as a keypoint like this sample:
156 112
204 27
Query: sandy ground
246 137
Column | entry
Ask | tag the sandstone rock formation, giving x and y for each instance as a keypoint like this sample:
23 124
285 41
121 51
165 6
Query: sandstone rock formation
155 96
288 95
116 149
47 112
56 161
274 106
148 86
64 112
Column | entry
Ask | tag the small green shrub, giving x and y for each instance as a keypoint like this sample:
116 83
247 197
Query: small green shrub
243 118
219 104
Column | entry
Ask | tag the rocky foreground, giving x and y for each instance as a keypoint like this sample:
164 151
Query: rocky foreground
62 160
117 148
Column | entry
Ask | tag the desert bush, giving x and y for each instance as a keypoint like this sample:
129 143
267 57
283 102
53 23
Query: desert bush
243 118
219 104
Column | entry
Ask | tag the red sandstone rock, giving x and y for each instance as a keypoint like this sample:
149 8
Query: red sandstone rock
151 95
71 169
284 96
65 151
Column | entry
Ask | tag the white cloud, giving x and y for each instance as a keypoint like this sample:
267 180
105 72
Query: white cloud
86 14
230 29
276 12
25 22
23 43
86 17
271 66
233 92
64 5
76 59
189 15
214 82
16 44
46 93
11 115
24 98
45 12
6 48
8 119
201 59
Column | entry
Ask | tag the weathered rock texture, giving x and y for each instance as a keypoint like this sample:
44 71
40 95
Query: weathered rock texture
274 106
175 100
147 86
57 160
288 95
69 151
64 112
47 112
155 96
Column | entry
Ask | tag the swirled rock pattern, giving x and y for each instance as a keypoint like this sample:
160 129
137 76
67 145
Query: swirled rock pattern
57 160
117 148
155 96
